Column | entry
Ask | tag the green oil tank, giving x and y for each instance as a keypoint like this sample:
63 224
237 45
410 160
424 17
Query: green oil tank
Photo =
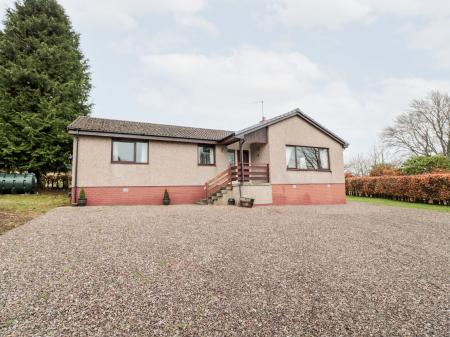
14 183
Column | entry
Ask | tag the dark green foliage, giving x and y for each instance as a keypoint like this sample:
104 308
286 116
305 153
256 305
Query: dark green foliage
44 85
82 195
424 164
166 199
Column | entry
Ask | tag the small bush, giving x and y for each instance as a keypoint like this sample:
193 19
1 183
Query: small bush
415 188
423 164
82 195
166 198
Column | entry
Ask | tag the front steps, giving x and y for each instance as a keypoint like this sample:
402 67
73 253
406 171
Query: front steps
218 198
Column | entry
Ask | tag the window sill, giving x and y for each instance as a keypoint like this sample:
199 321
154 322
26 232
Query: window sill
308 170
128 163
206 164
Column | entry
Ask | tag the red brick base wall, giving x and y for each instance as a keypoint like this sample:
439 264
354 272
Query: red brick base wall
308 194
153 195
142 195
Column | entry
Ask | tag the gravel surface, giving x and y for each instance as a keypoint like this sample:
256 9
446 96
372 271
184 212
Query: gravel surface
349 270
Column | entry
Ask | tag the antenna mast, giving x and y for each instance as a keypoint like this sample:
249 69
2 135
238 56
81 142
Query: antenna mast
262 110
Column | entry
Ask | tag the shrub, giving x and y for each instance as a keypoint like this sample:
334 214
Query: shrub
423 164
417 188
384 170
166 199
82 195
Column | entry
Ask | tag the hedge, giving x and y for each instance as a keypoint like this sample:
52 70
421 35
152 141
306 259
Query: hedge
432 188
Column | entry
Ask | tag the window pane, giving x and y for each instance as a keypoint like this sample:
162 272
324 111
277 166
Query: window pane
232 157
206 155
301 160
290 156
123 151
324 164
141 152
308 158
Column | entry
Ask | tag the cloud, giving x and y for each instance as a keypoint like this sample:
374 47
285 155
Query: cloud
427 22
326 13
121 14
203 86
411 8
183 80
196 21
221 91
334 14
433 37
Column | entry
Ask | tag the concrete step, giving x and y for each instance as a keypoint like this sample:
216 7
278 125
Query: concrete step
217 197
212 198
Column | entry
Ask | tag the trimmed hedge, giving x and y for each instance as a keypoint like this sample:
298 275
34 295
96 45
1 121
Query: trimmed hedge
431 188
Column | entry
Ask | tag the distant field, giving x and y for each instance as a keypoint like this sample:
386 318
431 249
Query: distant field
16 209
388 202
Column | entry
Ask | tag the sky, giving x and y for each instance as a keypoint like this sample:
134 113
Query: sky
352 65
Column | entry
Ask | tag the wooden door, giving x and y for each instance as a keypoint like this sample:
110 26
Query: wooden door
245 155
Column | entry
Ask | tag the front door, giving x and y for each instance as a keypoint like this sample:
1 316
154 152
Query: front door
246 156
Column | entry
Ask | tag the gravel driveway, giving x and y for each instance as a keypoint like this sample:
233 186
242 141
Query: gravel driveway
349 270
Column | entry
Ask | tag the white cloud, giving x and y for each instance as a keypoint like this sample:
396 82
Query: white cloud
196 21
411 8
211 90
219 91
434 37
122 14
428 21
327 13
333 14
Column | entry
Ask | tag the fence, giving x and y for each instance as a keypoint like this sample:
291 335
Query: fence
56 181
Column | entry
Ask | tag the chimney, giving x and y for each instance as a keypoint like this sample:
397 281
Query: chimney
263 119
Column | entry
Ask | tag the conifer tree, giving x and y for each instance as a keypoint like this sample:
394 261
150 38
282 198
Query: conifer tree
44 85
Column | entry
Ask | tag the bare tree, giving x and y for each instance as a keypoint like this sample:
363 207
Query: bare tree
358 165
362 164
424 129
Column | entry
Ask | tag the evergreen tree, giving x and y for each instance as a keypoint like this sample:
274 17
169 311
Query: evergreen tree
44 85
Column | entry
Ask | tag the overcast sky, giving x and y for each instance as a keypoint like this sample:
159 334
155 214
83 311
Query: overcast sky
353 65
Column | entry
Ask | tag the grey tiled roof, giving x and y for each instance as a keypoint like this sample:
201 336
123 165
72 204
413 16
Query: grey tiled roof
101 125
296 112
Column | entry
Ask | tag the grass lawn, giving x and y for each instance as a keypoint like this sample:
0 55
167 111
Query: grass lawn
16 209
388 202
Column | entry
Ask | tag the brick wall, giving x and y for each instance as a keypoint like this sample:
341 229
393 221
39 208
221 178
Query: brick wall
142 195
282 194
307 194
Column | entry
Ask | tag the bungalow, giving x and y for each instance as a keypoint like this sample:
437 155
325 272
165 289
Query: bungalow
289 159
